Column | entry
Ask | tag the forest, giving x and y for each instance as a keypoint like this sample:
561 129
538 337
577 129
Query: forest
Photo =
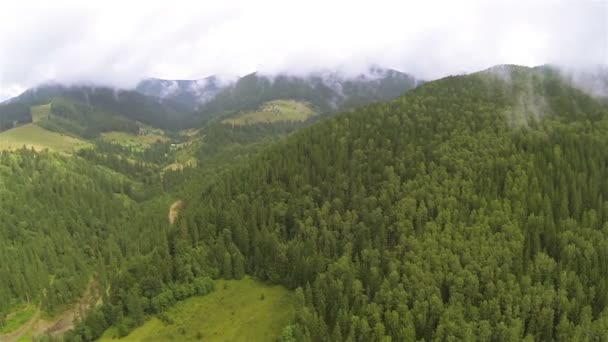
471 208
462 210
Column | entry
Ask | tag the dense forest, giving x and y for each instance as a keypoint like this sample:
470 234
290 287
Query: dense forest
68 221
472 208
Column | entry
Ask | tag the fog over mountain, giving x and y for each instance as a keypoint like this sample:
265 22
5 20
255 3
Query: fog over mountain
121 44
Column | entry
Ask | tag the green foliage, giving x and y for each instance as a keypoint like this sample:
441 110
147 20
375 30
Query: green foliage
439 215
474 207
34 221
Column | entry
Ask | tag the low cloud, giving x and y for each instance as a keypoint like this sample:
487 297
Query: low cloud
118 44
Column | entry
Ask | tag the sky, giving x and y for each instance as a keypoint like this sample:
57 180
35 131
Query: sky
118 43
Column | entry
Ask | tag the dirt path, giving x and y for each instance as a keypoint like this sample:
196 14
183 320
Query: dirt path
65 321
16 335
61 324
174 210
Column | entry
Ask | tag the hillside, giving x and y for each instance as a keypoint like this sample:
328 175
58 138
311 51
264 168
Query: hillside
84 101
328 91
38 138
472 207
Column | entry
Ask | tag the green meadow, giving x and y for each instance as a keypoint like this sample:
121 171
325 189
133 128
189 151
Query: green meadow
274 111
237 310
17 319
38 138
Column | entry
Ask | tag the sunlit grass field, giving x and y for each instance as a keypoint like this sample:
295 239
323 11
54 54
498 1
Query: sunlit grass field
274 111
18 318
34 136
237 310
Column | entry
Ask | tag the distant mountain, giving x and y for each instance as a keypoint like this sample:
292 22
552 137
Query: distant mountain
90 100
177 104
190 93
328 92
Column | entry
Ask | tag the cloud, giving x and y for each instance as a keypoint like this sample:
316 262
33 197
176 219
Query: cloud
119 43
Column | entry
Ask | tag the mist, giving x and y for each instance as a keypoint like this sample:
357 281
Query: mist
116 44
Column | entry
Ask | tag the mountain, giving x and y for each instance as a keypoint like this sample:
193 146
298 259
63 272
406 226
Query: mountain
179 104
328 92
469 208
189 93
86 100
473 207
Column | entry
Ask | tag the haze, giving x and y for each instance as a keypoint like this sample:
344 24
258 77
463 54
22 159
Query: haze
115 44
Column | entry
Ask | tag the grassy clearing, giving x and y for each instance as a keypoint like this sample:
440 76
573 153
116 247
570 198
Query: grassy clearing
133 140
18 318
184 155
40 112
274 111
233 312
33 136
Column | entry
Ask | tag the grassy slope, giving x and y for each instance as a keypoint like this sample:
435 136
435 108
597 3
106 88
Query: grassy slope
274 111
185 155
234 313
31 135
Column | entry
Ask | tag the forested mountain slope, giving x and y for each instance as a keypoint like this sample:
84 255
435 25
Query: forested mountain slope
58 214
329 92
473 207
125 104
68 221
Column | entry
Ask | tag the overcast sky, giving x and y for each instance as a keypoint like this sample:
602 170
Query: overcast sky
117 44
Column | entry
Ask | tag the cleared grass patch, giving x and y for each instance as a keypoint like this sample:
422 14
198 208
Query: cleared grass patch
17 319
34 136
133 140
235 311
274 111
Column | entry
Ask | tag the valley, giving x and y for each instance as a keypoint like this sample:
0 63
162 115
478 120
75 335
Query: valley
472 206
129 169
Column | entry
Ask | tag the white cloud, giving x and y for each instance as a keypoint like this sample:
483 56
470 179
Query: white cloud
118 43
